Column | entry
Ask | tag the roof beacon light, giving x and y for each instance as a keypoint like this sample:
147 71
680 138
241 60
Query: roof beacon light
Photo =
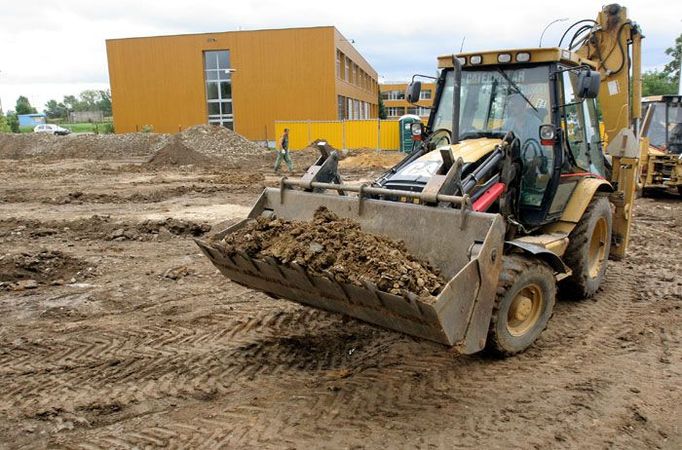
476 59
504 57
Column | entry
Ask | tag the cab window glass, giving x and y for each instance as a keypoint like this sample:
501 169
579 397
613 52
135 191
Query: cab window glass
675 128
573 121
656 132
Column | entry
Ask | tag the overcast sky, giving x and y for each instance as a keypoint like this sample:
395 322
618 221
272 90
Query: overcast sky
49 49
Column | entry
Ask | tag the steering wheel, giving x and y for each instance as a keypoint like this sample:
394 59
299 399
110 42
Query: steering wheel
535 163
528 145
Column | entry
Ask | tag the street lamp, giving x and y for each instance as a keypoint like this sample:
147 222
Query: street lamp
549 25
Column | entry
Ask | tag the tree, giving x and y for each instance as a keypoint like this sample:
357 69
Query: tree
382 108
55 110
657 83
667 80
672 69
71 103
104 103
88 100
4 125
24 106
13 122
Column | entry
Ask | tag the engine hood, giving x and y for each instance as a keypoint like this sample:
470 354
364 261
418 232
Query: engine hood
470 150
419 171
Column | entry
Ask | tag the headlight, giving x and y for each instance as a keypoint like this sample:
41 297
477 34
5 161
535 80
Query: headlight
416 129
547 134
523 57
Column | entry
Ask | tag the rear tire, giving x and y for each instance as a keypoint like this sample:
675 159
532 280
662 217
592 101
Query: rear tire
524 304
588 249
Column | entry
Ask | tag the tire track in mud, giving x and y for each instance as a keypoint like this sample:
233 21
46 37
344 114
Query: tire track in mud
382 383
235 369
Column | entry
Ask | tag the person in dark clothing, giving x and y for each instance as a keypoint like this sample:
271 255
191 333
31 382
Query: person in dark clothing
283 152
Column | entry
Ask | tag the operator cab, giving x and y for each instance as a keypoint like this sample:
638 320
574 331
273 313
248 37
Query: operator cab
546 97
665 126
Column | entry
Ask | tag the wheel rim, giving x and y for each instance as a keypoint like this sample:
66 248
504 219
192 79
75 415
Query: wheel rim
597 250
525 310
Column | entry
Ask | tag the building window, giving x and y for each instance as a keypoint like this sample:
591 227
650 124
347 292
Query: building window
395 111
425 95
423 112
341 107
393 95
219 88
348 63
339 55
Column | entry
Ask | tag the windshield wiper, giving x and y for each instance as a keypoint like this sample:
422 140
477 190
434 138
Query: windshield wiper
514 85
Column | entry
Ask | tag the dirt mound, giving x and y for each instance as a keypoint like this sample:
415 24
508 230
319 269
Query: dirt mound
86 146
105 228
220 143
176 153
209 141
372 160
336 247
29 270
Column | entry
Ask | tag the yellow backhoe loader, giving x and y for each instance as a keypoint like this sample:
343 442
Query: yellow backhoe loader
662 128
507 192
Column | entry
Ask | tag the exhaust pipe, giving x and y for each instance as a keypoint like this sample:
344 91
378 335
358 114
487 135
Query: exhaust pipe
455 99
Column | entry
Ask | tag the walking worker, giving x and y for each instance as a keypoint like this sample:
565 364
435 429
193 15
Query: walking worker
283 153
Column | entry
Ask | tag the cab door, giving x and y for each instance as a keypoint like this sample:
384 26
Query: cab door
581 142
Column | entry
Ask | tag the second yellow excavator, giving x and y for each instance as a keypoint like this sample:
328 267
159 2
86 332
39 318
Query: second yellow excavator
662 160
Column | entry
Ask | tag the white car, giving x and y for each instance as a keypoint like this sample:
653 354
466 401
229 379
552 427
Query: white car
52 129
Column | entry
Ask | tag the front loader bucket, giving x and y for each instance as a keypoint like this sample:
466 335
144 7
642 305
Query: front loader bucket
466 246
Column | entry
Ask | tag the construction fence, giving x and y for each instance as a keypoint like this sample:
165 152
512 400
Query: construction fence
343 134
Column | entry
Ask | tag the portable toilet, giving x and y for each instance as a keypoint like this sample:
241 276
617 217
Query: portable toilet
405 126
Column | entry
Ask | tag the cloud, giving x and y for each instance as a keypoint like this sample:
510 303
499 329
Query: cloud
48 46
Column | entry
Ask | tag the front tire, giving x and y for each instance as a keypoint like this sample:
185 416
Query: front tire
588 249
524 304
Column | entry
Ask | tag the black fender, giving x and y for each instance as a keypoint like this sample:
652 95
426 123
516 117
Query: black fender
538 251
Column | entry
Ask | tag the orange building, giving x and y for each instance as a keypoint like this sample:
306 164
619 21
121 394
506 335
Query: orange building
393 96
244 80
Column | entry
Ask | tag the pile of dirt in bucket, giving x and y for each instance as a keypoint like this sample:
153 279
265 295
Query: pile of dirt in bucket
337 248
176 153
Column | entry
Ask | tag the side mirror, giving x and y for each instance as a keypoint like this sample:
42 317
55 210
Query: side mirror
588 84
412 92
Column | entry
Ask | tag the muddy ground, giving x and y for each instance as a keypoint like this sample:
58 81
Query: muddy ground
126 337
